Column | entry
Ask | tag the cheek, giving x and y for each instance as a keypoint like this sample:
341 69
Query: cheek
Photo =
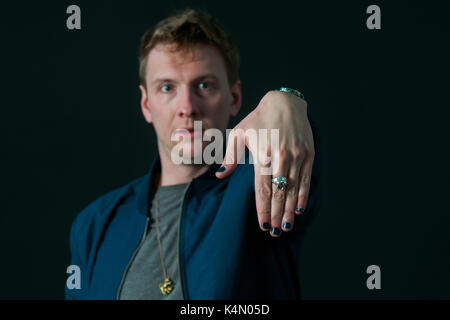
219 116
162 119
220 106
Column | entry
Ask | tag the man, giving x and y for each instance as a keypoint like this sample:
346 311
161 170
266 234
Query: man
191 230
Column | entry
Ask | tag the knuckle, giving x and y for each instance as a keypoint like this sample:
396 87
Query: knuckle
292 192
265 152
264 191
264 160
282 152
305 179
278 195
296 154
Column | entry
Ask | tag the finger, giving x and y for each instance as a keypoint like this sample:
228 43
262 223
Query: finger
291 196
260 151
278 199
235 150
304 183
263 195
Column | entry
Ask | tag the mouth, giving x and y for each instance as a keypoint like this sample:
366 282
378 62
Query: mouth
188 132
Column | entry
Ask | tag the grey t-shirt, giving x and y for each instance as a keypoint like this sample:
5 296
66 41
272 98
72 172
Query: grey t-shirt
145 273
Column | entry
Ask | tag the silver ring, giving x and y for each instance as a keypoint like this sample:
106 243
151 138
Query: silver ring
280 182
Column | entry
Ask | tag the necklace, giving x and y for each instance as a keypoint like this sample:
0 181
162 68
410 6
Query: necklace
167 286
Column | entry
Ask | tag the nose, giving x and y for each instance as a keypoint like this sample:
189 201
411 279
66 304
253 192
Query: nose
186 103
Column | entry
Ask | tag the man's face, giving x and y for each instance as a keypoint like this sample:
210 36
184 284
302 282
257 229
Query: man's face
183 88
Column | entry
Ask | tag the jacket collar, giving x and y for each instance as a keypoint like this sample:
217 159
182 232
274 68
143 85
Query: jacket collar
147 185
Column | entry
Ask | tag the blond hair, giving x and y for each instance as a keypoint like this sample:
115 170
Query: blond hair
185 29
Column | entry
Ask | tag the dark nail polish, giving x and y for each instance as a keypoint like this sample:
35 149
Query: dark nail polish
276 231
287 225
221 169
266 225
300 209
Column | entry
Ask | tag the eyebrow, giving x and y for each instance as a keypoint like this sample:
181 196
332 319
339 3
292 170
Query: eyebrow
208 75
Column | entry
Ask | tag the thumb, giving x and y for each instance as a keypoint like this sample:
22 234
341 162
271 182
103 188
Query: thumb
235 150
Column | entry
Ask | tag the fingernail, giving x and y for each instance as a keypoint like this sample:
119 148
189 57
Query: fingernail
300 209
221 169
276 231
266 225
286 225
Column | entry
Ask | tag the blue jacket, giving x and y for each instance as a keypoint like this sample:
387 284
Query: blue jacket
223 254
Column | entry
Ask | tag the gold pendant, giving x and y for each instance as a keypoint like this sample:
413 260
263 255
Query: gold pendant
166 287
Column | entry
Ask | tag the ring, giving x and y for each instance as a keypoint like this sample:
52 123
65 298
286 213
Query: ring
280 182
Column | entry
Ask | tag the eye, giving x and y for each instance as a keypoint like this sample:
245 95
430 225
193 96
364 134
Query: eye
166 87
204 85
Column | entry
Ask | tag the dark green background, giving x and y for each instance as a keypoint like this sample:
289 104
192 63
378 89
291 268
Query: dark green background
73 130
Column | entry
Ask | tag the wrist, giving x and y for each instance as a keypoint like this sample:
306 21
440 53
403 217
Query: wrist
292 91
284 102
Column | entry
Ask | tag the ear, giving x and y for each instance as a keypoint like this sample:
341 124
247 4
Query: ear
236 94
145 104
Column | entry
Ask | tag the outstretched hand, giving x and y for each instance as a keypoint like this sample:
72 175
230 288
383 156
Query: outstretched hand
289 155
